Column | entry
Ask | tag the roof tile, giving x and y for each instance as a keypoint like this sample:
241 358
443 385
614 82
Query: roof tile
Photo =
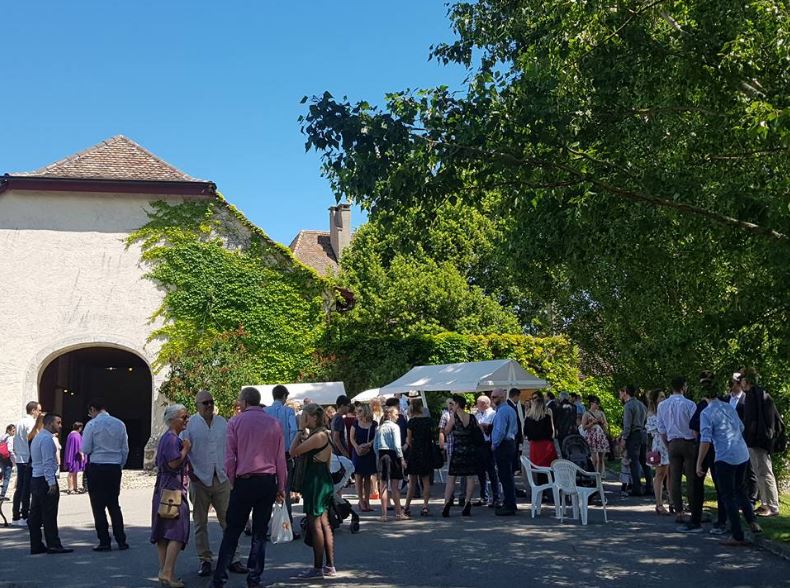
314 249
117 158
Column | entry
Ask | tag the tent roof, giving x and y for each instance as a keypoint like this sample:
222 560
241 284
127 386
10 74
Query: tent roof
323 393
477 376
367 395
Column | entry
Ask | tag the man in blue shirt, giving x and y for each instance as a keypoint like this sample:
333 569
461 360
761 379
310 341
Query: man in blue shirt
503 442
287 418
721 427
44 489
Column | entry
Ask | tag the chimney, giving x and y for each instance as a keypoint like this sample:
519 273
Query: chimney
339 228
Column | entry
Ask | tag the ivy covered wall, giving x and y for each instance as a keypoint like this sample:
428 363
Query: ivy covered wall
238 308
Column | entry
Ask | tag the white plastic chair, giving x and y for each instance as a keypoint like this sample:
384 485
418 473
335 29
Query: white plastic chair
565 479
529 469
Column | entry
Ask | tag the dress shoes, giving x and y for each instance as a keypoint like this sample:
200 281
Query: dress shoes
238 568
123 546
60 549
103 548
205 569
504 512
40 549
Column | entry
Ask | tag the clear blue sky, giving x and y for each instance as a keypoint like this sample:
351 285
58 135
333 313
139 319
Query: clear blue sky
211 87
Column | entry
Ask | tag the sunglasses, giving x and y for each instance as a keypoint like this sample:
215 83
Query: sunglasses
207 403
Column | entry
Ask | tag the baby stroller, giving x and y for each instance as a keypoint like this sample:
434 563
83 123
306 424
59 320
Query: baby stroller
342 470
574 448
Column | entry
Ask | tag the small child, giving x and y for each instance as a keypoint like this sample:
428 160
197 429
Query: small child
625 471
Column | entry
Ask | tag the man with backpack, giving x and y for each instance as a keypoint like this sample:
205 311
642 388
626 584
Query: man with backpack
764 433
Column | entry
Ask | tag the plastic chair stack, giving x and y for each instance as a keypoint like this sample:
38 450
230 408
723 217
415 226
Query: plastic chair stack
565 473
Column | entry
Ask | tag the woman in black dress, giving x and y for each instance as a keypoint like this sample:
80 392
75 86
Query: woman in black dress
419 463
465 460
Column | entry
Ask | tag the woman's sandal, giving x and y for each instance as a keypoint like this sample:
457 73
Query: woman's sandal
383 518
425 512
661 511
402 517
407 512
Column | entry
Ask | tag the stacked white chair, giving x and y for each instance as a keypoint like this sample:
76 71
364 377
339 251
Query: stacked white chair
529 469
565 480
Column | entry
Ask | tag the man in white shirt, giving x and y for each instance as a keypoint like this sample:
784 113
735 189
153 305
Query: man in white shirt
674 415
485 418
209 482
44 486
737 395
106 444
21 504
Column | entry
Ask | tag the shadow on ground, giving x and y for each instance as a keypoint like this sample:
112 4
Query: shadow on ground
636 548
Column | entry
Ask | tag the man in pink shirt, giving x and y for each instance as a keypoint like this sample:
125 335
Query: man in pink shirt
256 468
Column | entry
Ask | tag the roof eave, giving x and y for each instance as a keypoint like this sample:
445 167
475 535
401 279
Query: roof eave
55 184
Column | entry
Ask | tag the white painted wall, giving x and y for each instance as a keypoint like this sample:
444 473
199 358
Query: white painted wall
67 280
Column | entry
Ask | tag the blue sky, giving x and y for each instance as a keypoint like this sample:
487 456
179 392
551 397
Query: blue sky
211 87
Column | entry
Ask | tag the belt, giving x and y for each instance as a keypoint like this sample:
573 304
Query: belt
247 476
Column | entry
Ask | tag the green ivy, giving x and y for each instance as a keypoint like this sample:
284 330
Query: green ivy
238 308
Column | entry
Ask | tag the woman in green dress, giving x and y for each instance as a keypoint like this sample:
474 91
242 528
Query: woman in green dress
312 444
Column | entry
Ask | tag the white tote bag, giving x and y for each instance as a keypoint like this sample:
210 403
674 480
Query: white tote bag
281 525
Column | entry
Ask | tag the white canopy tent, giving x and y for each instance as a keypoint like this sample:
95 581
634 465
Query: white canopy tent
480 376
323 393
368 395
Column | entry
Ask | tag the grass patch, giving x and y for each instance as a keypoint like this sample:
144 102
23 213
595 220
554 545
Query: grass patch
774 528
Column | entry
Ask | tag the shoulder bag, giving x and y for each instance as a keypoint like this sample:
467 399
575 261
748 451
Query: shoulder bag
169 504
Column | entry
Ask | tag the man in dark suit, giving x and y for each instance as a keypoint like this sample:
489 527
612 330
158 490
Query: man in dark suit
512 399
738 402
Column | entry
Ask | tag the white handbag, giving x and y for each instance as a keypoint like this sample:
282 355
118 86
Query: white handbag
281 525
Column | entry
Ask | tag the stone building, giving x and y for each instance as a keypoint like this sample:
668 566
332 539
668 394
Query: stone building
75 308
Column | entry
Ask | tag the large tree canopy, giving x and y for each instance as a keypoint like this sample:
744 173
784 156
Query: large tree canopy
635 154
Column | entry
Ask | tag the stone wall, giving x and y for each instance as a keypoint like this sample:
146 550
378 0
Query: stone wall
69 281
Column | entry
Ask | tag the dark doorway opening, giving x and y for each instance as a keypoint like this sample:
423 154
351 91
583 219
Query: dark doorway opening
120 377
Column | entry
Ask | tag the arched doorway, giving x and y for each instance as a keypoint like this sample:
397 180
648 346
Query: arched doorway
120 377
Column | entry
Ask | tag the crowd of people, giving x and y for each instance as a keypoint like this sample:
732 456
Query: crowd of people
264 456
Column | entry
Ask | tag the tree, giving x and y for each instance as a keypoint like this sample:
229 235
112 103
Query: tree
403 291
637 153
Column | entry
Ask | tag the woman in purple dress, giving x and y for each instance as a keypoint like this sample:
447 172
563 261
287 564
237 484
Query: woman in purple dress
172 463
73 458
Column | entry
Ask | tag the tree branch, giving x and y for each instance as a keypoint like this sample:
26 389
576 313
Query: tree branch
633 195
622 26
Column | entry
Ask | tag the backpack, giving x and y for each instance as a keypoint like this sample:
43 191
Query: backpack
5 454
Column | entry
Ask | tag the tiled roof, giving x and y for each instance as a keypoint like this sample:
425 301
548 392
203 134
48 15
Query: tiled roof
314 249
118 158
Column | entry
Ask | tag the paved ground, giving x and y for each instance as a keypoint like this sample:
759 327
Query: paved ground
636 548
